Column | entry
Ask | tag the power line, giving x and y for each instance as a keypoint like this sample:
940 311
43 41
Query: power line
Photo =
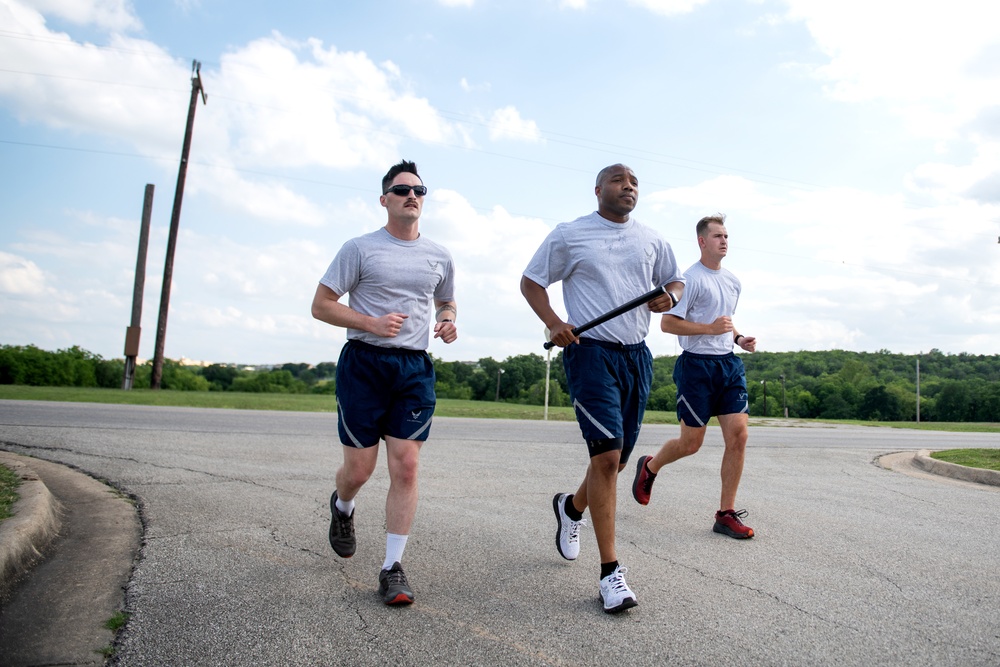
56 41
89 80
481 209
324 183
553 137
566 140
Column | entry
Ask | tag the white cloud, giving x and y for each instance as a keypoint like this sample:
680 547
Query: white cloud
264 292
844 268
924 60
837 267
112 15
274 104
979 179
227 272
292 104
87 235
721 193
474 88
490 250
187 5
20 276
506 123
264 200
662 7
139 93
668 7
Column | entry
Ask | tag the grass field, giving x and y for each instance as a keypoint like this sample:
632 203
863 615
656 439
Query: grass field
979 458
446 407
973 458
9 481
951 427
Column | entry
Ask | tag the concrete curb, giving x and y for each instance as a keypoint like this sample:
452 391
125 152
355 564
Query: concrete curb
922 459
55 614
36 522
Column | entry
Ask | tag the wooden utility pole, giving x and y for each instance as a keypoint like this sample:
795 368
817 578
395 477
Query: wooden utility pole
175 219
132 332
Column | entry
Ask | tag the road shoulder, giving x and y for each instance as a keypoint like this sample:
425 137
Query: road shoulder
56 612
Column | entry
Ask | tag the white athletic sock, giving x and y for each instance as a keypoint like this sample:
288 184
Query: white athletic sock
394 545
345 506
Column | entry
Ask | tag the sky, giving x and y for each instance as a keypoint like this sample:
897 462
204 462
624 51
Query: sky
854 148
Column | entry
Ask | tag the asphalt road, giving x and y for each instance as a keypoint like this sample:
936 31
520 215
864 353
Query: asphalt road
853 564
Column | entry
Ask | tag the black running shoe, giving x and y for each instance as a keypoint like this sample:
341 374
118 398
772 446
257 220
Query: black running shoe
393 587
341 530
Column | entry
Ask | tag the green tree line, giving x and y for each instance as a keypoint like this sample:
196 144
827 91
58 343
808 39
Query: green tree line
830 384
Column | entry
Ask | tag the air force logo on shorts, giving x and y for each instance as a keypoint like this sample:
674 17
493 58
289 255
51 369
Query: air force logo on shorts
709 385
383 392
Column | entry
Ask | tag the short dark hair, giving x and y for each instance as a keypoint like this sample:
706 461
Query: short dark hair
703 224
404 166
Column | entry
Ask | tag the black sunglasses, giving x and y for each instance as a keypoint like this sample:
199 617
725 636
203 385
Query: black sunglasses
404 190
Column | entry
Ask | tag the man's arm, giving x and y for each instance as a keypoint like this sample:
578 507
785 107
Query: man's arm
445 313
537 297
748 343
674 324
662 304
326 307
680 327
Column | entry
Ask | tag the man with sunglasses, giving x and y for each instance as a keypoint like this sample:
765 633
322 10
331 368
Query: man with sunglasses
603 260
396 278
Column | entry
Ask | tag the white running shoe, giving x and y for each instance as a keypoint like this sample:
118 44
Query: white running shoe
567 530
615 593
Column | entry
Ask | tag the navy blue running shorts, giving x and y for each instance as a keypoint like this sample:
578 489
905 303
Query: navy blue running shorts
383 391
709 385
609 384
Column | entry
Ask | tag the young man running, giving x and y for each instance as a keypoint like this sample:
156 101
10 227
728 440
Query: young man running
603 260
710 379
396 278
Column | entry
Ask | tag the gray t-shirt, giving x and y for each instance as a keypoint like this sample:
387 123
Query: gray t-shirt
382 274
603 264
708 295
